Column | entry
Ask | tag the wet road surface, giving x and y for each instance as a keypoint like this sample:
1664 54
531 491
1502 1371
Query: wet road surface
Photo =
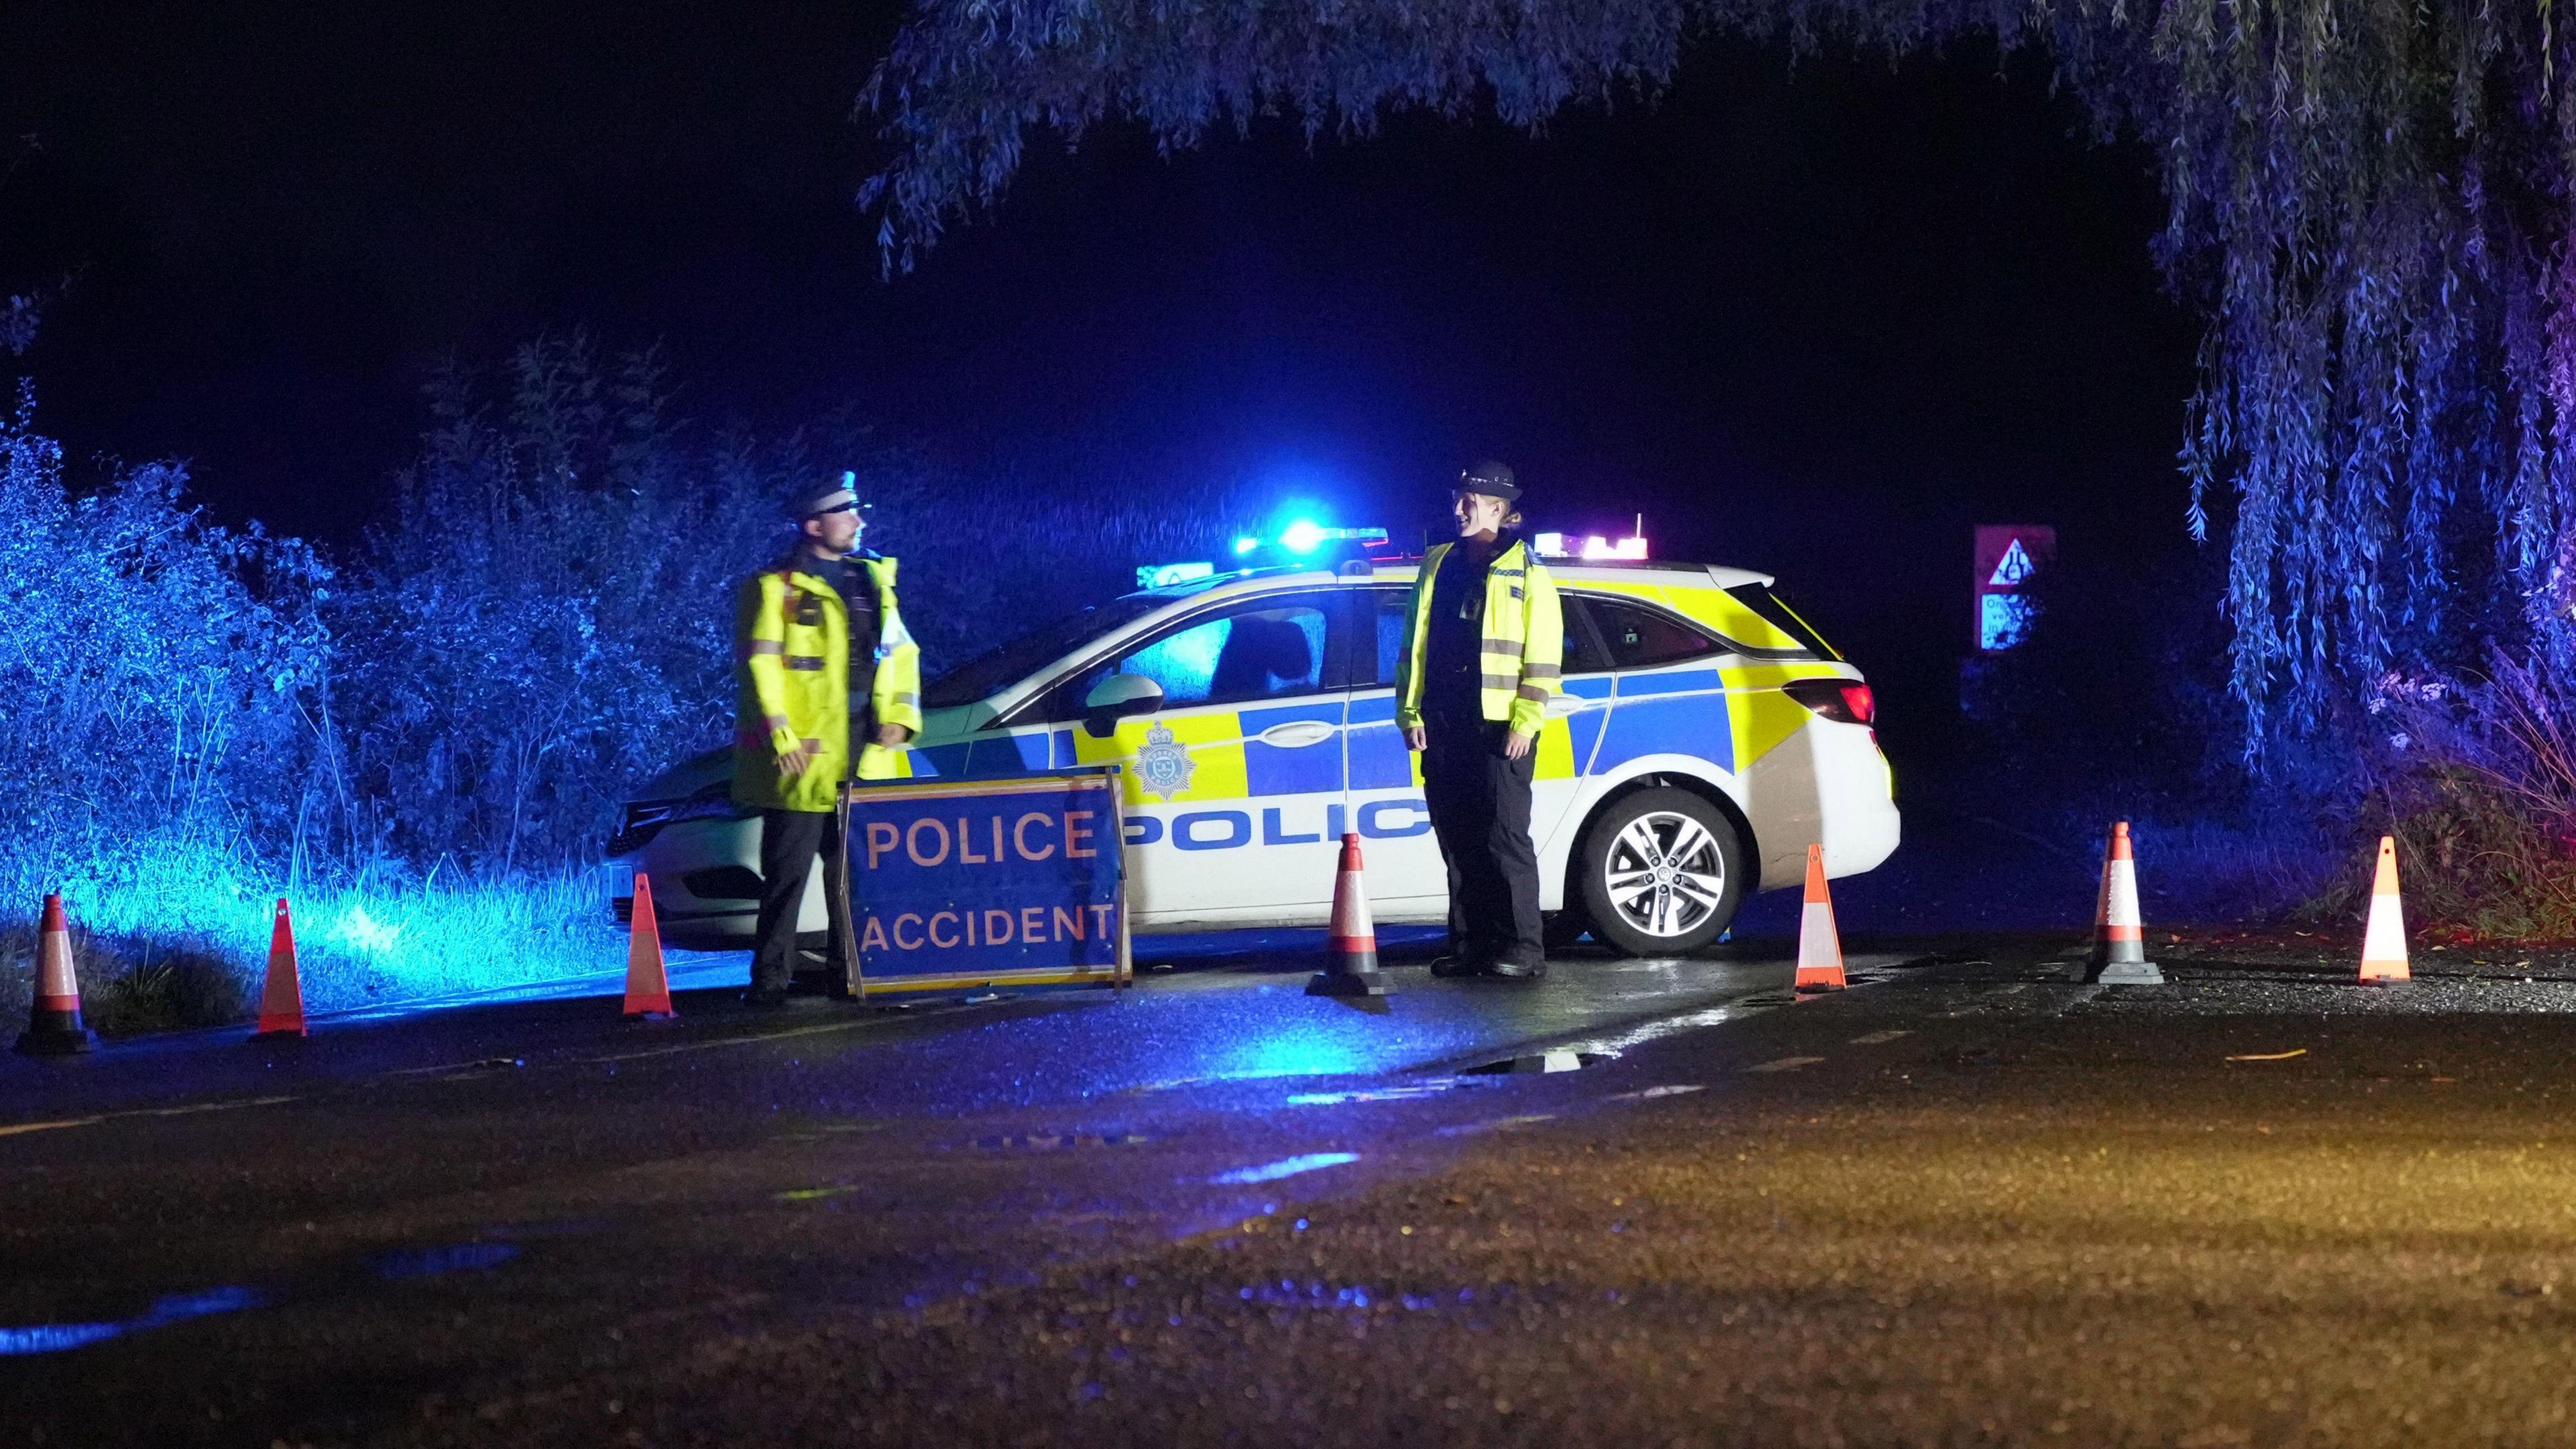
1962 1204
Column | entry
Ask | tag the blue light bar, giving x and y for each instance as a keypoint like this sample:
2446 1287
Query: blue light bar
1155 576
1305 536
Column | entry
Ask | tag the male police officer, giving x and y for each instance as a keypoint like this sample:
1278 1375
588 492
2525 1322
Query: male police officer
1484 643
815 632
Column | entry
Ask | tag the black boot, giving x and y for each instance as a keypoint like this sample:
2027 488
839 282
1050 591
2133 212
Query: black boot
1458 964
1518 970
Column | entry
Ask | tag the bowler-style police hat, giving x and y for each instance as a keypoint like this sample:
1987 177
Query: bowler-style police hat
1494 480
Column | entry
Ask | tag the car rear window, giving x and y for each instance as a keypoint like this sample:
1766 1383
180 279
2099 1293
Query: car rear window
1773 610
1639 638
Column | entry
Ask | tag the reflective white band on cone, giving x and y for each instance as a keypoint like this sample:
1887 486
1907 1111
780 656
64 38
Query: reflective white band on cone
1820 947
2383 940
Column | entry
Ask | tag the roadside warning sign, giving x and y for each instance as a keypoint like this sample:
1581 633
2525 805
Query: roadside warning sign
970 884
2007 556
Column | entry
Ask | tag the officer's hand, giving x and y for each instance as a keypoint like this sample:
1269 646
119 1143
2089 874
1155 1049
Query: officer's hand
1415 739
1517 745
892 736
795 762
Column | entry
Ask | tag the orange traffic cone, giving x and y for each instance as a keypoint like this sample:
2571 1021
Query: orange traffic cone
1820 948
281 1001
2383 941
54 1022
1350 960
2119 955
648 985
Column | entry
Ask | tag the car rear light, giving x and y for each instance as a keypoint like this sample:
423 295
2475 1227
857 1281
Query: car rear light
1844 701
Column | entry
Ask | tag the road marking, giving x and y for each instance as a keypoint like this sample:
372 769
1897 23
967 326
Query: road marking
207 1107
1674 1089
15 1128
2271 1056
1499 1124
701 1046
1786 1064
1879 1038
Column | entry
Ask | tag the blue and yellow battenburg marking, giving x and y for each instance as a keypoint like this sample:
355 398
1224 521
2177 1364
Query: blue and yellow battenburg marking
1729 712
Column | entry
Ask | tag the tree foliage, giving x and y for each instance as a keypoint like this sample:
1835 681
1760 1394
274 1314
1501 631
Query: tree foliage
2369 204
154 668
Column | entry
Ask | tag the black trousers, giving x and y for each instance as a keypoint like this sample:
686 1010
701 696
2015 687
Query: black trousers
789 841
1480 810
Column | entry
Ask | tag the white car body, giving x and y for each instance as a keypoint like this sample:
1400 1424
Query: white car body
1236 800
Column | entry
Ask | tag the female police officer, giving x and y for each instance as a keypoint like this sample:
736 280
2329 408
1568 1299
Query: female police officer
1483 645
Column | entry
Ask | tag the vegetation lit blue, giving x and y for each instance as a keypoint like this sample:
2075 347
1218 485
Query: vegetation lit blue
425 742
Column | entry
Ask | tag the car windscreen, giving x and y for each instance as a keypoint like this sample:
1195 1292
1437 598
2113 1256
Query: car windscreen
1008 664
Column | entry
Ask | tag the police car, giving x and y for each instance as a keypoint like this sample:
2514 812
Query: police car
1705 737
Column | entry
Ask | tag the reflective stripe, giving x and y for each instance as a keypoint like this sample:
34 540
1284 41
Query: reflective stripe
1504 682
1539 692
906 697
812 747
808 662
764 646
779 722
1507 648
1541 671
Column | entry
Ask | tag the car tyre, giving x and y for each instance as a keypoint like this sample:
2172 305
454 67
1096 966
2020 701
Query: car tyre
1662 873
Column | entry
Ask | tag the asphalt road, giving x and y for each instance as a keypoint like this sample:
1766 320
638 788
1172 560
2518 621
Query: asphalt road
1962 1203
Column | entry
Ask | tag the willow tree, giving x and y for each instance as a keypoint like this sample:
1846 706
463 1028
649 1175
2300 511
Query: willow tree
2369 204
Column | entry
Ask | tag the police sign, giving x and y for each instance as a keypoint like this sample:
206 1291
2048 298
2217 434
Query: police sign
988 883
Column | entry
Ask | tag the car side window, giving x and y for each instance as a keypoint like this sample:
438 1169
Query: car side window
1641 638
1582 656
1259 649
1582 642
1388 609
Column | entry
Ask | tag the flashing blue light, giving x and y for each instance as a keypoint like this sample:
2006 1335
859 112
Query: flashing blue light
1155 576
1303 536
1244 546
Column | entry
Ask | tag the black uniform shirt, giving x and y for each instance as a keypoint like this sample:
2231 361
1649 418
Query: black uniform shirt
1453 666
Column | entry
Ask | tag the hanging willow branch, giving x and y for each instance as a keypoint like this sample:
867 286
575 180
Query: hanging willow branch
2370 203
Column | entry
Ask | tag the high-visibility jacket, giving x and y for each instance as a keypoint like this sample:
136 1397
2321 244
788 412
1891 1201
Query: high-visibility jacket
1523 648
792 650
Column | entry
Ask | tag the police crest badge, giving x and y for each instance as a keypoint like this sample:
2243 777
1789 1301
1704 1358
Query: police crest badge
1163 765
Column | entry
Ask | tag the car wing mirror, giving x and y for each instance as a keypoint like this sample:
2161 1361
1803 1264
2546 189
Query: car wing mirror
1117 697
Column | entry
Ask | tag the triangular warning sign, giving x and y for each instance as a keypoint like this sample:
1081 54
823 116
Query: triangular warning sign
2012 568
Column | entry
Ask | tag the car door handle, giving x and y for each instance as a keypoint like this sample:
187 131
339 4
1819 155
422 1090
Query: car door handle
1561 705
1296 734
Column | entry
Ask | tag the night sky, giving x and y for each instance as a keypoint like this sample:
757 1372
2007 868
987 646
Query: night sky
1815 319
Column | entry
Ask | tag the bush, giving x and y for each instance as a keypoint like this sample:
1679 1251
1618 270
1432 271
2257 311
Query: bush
426 746
2476 778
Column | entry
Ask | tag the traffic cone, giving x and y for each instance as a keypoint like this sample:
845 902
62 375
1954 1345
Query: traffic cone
281 1001
2383 942
2119 955
648 985
1820 947
1350 962
54 1021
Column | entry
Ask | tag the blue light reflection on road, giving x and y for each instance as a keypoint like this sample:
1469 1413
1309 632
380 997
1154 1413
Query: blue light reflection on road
177 1308
1284 1167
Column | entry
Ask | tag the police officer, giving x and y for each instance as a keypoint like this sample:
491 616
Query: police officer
816 634
1484 643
